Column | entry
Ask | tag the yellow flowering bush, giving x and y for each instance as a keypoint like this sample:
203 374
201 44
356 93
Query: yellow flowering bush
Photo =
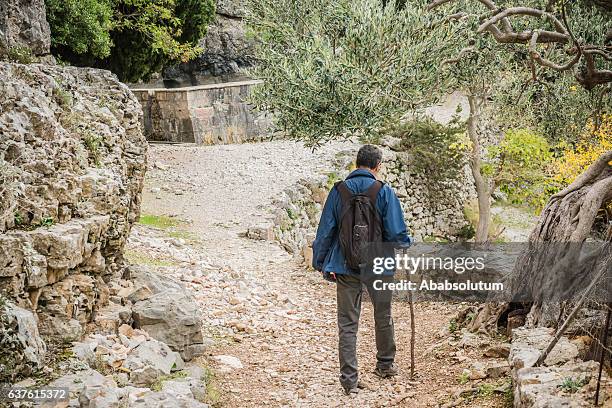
575 159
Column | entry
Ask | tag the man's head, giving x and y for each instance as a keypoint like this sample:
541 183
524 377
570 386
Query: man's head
369 157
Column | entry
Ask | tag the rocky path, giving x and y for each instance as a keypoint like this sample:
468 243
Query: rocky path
271 321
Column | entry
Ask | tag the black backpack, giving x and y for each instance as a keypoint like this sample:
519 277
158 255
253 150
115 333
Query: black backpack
360 223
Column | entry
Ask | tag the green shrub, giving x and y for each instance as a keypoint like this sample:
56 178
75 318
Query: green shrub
438 151
518 165
132 38
19 54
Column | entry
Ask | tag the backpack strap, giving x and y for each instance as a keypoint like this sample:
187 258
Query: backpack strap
372 192
345 193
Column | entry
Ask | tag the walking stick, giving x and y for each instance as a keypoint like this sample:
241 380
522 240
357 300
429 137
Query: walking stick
412 324
603 352
412 333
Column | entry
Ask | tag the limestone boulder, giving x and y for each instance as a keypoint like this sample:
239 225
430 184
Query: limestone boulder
156 282
149 361
227 50
91 381
527 345
173 318
146 399
560 386
22 350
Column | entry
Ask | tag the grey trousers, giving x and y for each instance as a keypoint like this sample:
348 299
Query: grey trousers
349 291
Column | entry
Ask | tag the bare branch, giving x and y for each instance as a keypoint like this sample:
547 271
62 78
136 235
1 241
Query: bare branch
524 11
537 57
459 56
589 76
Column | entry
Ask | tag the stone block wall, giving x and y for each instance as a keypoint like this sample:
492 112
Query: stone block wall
207 114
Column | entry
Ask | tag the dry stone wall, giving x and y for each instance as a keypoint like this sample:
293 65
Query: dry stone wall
427 216
72 163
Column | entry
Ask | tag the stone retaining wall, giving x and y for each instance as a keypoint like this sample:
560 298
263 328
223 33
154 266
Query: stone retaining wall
206 114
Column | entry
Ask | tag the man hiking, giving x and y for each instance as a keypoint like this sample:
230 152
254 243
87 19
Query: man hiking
359 211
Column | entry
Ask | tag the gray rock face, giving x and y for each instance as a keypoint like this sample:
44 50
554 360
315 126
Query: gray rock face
22 350
156 282
23 23
231 8
173 318
154 355
527 344
99 397
164 399
549 385
89 381
72 163
227 50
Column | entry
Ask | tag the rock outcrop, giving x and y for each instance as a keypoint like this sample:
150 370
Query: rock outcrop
22 348
72 163
227 50
167 312
299 208
23 24
562 381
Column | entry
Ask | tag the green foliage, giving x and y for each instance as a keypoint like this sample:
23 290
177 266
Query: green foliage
518 166
158 221
342 68
82 26
93 143
555 106
463 378
332 178
572 385
452 326
46 222
527 95
133 38
438 151
18 54
159 383
292 214
467 232
63 98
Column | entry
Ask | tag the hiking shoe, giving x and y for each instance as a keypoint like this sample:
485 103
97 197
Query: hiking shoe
355 388
351 391
386 372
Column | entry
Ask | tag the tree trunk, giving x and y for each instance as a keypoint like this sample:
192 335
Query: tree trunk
567 218
483 192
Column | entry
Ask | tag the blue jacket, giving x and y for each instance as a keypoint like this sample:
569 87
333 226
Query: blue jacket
327 253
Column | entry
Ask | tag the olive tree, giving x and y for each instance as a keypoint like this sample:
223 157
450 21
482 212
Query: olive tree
342 68
559 43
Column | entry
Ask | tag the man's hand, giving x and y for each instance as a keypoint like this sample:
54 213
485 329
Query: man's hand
330 276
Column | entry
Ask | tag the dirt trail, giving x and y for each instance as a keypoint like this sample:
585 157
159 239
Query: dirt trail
275 316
